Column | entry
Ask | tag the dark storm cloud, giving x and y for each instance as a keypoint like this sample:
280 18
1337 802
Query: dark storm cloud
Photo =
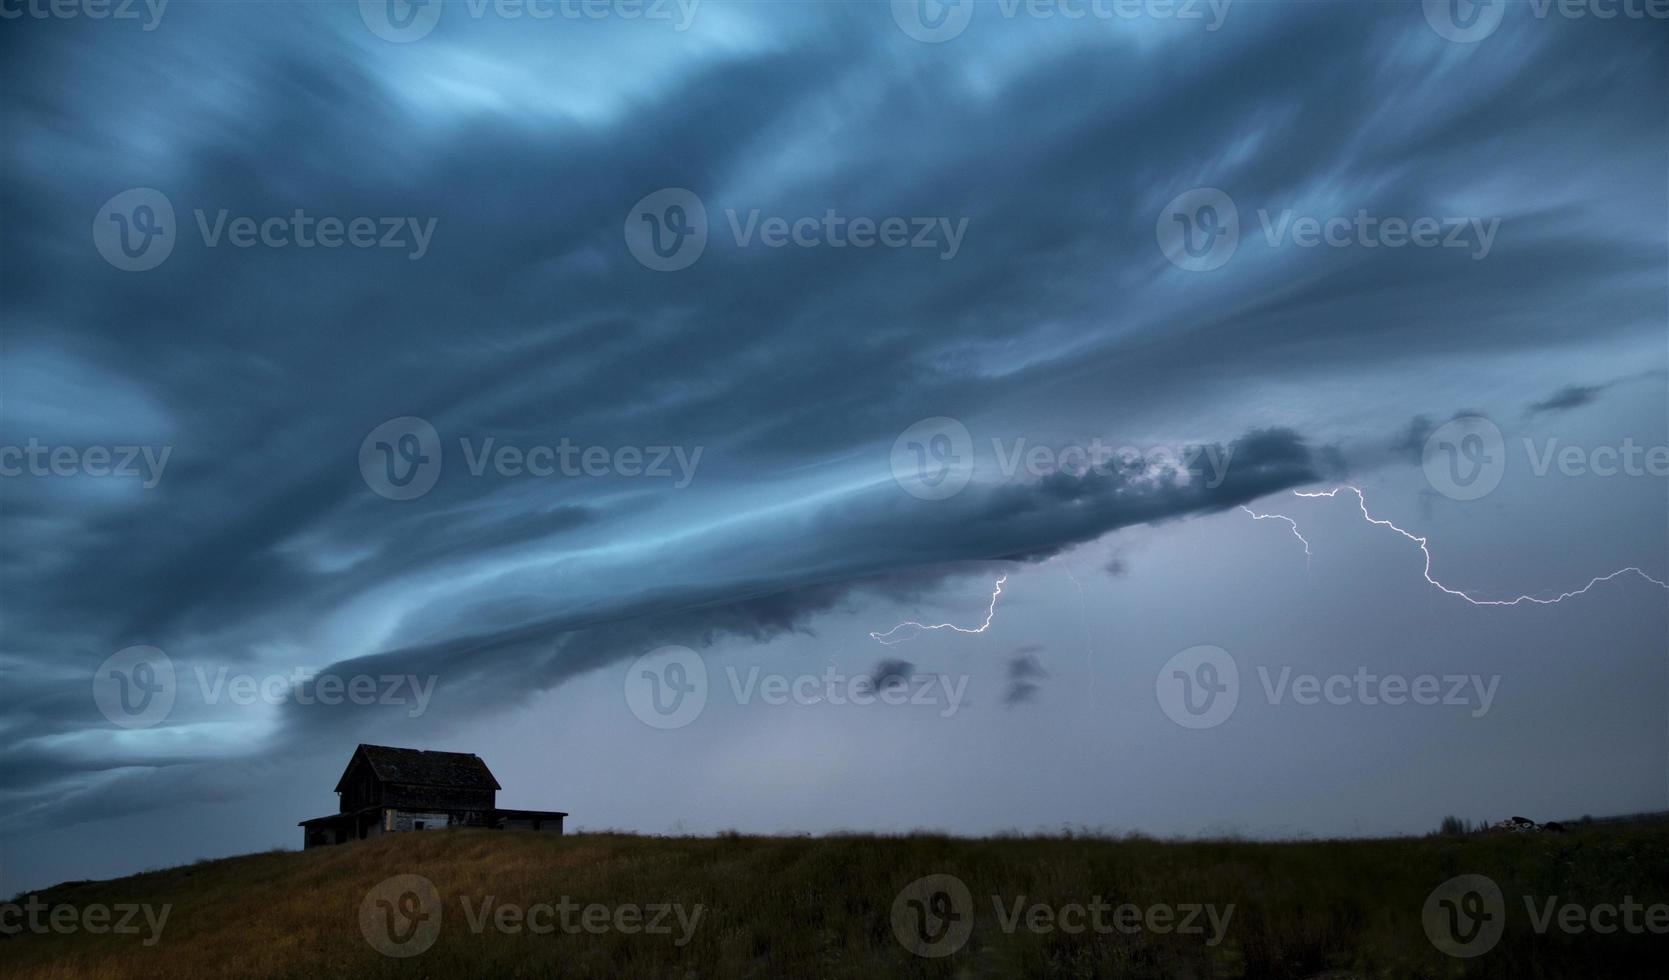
890 674
1411 442
527 320
1577 395
493 656
882 542
1024 671
1566 398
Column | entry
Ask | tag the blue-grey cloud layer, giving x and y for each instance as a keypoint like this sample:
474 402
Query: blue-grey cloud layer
528 320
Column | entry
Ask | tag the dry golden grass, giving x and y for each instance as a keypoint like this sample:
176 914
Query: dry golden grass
806 907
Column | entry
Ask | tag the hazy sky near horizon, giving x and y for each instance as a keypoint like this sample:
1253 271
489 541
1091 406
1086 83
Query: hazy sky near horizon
847 430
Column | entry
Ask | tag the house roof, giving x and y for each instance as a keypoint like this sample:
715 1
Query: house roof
348 817
501 813
415 767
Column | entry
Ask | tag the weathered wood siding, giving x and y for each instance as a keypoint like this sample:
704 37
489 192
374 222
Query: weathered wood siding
360 788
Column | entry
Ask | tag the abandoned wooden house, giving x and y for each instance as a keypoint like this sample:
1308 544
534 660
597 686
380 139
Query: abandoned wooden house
386 790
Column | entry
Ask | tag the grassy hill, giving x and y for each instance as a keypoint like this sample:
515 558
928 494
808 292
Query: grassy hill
808 907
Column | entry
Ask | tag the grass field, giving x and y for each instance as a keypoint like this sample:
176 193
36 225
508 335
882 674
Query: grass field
811 907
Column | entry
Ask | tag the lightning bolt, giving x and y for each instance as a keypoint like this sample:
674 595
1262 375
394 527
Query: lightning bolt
1362 501
1282 517
1083 617
982 627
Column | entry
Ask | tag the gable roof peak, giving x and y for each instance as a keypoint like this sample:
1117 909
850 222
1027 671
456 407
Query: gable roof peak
422 767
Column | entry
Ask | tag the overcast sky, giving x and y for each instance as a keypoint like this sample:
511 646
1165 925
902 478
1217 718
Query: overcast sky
757 330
